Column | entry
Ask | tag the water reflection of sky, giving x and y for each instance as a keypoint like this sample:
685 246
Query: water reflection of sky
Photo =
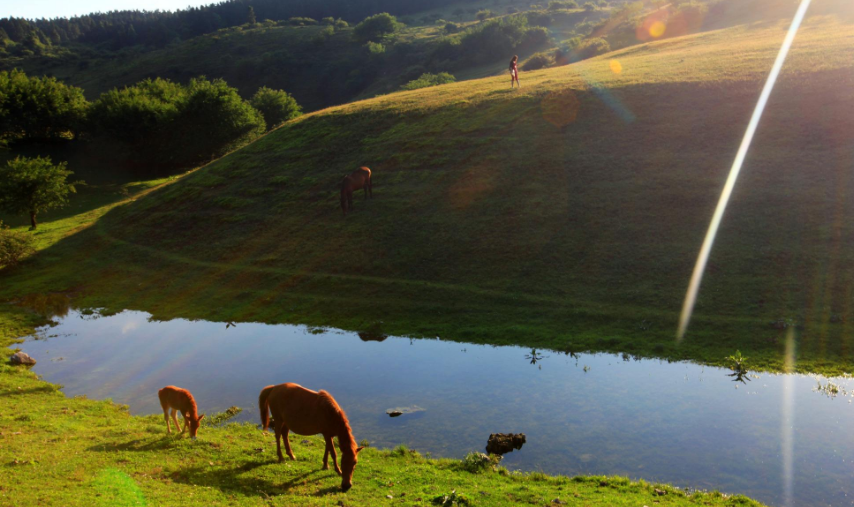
678 423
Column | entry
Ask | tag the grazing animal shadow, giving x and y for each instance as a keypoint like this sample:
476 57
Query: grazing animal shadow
159 443
358 179
236 480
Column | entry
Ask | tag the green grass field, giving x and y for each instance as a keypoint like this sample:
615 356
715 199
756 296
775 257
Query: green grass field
565 215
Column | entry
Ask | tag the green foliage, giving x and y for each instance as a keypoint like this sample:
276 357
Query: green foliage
737 362
14 246
33 185
428 79
277 106
497 36
300 21
483 15
589 6
376 27
38 107
340 23
556 5
538 61
451 27
329 20
220 418
172 125
375 48
476 462
592 47
451 499
250 15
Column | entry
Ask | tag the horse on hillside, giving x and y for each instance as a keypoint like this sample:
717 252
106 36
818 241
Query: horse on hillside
180 400
306 412
360 178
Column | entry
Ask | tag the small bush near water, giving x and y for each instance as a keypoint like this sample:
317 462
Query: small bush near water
14 246
476 462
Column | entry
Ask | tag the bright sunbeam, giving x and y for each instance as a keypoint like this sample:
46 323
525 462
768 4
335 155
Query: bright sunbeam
787 422
700 266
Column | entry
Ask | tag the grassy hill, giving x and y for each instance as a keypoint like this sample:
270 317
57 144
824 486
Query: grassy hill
567 214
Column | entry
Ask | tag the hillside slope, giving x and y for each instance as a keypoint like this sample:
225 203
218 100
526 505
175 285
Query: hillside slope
567 214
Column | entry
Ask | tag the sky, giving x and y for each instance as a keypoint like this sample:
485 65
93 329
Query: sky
33 9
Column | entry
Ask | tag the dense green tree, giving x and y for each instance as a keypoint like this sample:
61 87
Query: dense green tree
214 119
376 27
250 16
277 106
163 125
33 185
38 107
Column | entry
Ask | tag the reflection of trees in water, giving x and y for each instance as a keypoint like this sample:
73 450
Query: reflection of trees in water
368 336
535 357
47 305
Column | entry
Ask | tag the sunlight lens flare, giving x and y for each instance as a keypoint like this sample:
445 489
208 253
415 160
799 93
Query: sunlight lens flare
787 422
616 66
703 257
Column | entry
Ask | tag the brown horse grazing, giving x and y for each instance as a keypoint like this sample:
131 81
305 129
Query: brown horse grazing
307 412
180 400
360 178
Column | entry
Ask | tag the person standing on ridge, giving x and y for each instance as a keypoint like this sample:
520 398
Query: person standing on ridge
514 72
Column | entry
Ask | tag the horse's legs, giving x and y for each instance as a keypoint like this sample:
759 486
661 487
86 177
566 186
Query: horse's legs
278 429
330 449
285 431
166 416
326 454
175 419
371 187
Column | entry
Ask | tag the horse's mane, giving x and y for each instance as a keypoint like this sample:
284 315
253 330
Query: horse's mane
345 438
194 410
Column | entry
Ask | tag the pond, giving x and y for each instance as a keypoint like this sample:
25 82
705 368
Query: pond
774 438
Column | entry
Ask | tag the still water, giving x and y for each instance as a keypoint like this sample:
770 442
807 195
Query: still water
679 423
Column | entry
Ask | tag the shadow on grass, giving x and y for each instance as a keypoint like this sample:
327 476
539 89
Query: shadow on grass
159 443
234 481
32 390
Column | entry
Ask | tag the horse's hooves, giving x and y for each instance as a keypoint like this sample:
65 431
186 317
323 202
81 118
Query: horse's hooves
338 471
281 460
325 467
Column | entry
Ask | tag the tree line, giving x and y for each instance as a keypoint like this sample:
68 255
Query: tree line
155 125
118 29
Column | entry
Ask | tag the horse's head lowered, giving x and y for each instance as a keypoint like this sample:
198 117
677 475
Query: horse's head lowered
348 466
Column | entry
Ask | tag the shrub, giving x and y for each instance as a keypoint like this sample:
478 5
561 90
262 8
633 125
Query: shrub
428 79
512 10
39 107
328 20
376 27
452 28
277 106
375 48
33 185
340 23
483 15
538 61
297 21
476 462
592 47
14 246
589 6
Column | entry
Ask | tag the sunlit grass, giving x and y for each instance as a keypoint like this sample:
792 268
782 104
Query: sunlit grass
496 219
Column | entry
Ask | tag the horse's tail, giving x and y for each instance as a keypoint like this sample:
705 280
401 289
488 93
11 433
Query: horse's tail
264 405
